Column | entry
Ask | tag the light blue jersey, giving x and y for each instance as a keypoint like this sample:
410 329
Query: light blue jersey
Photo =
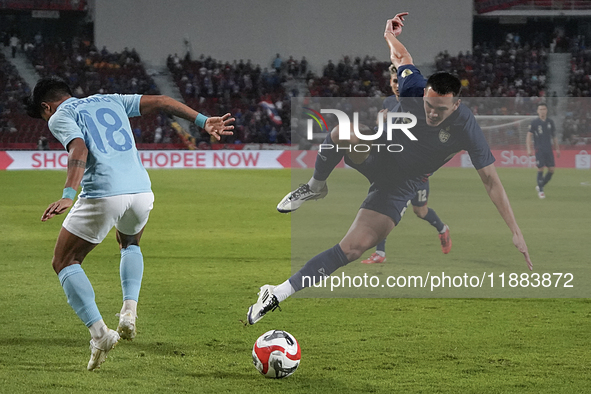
113 166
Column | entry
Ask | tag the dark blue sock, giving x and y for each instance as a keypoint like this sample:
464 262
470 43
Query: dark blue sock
541 180
381 246
318 267
327 160
434 220
547 177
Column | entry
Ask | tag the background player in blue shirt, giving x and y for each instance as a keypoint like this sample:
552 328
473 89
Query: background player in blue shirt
544 132
116 191
419 202
444 127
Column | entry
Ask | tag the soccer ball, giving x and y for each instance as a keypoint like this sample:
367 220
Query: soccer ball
276 354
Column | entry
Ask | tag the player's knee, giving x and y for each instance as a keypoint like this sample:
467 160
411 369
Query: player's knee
353 251
59 263
421 212
347 139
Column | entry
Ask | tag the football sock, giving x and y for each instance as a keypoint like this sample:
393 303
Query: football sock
541 180
434 220
98 329
283 290
381 253
318 267
316 185
129 306
80 294
547 177
131 271
327 160
381 247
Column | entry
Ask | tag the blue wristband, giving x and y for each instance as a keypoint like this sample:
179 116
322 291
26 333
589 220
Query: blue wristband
200 120
69 193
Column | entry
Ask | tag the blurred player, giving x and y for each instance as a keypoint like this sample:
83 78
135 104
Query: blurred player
116 191
445 127
419 202
544 133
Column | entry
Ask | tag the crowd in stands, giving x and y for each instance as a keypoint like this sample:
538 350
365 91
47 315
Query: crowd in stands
90 71
510 70
12 89
260 97
577 124
357 77
241 88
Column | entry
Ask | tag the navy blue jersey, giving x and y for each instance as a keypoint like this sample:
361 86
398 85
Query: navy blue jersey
543 132
435 145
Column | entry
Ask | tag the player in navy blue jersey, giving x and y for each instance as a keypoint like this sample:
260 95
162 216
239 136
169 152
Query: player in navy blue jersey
444 127
544 133
419 202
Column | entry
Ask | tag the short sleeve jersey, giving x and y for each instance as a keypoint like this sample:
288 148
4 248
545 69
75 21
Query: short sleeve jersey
435 146
543 132
113 165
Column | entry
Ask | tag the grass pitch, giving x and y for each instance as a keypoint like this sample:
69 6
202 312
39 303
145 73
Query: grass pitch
214 237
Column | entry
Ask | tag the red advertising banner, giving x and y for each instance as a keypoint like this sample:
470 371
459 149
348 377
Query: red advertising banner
264 159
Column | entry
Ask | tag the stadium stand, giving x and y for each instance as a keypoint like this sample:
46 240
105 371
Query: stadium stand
256 97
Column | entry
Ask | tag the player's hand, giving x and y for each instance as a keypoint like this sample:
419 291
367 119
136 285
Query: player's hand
219 125
394 25
519 243
557 153
56 208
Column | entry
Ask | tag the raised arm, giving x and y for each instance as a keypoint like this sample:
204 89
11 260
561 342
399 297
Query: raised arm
77 153
497 194
399 56
215 125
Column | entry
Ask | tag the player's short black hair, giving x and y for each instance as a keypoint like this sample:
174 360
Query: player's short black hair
543 104
393 70
47 89
444 83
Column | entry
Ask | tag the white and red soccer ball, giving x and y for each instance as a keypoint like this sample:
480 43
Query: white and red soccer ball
276 354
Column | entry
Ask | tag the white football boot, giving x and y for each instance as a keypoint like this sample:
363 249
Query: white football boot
99 349
266 302
126 328
296 198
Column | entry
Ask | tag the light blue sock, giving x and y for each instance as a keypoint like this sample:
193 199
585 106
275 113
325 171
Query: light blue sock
131 270
79 293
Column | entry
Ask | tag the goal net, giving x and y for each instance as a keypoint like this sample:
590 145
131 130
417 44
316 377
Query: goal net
505 130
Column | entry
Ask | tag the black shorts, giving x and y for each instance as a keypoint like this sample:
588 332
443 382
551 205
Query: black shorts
420 199
545 158
389 199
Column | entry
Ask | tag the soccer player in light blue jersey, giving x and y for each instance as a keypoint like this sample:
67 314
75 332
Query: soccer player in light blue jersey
116 191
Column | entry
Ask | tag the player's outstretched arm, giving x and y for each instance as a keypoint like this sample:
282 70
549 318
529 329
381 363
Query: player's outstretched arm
497 194
77 153
215 125
399 56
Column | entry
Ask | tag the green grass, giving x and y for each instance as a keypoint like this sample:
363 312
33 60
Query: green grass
214 237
